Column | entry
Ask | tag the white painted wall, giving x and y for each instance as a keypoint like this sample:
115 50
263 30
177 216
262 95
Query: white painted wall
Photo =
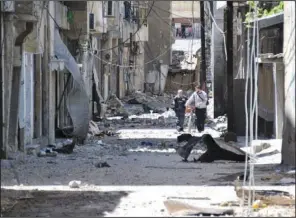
184 9
96 7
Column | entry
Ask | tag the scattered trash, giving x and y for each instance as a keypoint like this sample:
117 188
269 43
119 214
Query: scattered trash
47 152
93 128
147 143
183 209
51 162
67 148
190 198
115 106
102 165
100 142
32 149
268 197
258 204
228 204
74 184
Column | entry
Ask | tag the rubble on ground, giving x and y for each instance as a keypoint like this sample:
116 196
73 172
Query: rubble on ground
230 137
115 107
74 184
267 197
178 208
102 165
148 102
47 152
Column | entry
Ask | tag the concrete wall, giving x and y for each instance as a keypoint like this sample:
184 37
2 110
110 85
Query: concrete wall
139 76
288 149
160 36
218 63
180 80
184 9
26 109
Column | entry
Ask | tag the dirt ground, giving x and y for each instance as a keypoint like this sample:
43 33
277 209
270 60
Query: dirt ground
139 179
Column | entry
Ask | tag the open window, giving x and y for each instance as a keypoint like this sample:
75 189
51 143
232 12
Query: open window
108 7
143 15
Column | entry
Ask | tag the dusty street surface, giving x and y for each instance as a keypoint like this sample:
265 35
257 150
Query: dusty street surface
140 178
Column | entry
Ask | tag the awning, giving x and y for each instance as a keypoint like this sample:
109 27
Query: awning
77 100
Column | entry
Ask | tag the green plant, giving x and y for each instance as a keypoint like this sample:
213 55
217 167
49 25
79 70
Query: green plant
262 12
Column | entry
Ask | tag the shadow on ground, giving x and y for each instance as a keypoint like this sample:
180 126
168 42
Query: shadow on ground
20 203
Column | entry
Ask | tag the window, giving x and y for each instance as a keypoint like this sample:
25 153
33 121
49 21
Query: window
109 8
127 10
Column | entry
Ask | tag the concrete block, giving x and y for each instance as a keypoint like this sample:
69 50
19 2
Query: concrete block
32 149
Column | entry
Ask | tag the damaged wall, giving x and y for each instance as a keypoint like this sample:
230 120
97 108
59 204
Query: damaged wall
180 80
160 36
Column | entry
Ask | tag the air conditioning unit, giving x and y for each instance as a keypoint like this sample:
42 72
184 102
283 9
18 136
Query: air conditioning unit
7 6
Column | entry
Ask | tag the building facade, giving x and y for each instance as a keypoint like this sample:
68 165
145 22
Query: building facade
60 59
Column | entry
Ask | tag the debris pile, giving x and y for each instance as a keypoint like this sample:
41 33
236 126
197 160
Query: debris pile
149 102
74 184
115 107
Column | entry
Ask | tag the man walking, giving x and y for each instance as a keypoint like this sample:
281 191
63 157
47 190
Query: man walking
200 100
179 107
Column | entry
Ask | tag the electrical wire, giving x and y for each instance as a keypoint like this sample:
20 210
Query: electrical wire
246 113
218 28
137 66
133 34
128 66
175 14
252 68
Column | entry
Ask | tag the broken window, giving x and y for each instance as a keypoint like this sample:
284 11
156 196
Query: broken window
127 10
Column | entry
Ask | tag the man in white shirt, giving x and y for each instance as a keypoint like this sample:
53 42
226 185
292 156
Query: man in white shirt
199 99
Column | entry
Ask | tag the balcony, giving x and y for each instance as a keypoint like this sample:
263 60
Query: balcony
135 18
97 23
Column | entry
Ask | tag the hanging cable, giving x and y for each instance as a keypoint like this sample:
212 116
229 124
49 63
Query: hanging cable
252 70
133 34
246 112
218 28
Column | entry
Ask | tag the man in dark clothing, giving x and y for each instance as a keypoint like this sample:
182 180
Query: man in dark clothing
183 32
179 107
